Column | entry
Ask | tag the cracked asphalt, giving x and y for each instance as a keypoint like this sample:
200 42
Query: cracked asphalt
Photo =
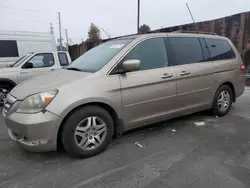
172 154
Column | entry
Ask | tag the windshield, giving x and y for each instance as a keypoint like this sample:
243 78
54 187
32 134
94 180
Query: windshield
19 61
94 59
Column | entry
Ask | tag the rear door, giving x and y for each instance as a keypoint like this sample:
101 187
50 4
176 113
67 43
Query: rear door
194 72
148 94
41 63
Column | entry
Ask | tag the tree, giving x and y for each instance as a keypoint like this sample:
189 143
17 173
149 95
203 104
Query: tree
144 28
94 33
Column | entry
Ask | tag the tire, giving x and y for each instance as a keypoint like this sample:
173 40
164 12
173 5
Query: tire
217 108
4 90
77 123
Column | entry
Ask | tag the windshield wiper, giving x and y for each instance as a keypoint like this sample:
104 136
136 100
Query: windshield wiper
74 69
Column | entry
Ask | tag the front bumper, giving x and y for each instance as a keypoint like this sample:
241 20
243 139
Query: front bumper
34 132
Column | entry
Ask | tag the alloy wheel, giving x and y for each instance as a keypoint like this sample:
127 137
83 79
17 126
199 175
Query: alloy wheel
224 100
90 133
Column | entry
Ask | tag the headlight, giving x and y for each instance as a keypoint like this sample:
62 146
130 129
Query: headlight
37 102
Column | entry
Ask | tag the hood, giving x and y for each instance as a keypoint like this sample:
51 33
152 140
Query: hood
8 69
52 80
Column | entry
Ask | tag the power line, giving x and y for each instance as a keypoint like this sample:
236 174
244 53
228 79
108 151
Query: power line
17 14
33 21
21 9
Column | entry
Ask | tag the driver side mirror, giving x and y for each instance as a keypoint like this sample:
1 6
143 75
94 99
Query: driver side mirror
28 65
131 65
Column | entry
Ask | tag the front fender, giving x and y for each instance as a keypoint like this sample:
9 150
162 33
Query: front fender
89 101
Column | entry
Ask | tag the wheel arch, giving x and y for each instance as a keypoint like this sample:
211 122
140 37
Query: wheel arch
230 84
7 81
118 123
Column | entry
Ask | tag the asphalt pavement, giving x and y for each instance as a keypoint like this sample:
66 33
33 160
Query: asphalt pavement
195 151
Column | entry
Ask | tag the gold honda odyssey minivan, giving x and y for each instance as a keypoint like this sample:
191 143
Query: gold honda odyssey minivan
122 84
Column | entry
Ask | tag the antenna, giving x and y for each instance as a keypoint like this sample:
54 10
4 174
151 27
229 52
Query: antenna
190 12
106 33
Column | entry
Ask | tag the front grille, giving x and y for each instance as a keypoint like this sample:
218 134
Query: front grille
10 100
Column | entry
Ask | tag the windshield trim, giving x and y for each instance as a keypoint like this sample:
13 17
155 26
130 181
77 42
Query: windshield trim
22 59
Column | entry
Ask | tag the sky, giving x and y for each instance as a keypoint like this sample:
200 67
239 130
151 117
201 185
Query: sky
116 17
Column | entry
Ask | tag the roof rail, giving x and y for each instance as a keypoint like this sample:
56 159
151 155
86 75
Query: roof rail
195 32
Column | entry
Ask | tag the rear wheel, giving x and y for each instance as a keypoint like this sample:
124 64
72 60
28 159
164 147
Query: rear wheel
87 132
222 101
4 91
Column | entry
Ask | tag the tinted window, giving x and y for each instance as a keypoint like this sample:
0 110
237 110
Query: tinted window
8 48
63 59
41 61
94 59
152 54
186 50
219 49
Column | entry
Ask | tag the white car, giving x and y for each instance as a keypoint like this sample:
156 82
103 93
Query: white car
29 66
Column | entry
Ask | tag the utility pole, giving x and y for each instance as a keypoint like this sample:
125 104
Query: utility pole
71 41
51 29
138 17
60 30
67 39
190 12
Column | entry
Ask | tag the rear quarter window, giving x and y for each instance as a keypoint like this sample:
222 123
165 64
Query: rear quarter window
63 59
219 49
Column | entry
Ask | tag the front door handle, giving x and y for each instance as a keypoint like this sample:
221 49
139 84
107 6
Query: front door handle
165 75
23 72
184 73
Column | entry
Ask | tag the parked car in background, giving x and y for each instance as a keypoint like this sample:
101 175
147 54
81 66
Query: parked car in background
123 84
29 66
15 44
247 72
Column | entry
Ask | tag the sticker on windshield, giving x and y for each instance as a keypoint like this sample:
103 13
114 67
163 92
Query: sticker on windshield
117 46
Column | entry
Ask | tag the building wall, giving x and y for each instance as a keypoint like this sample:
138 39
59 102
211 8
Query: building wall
235 27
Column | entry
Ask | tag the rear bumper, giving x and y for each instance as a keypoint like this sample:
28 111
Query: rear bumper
239 86
34 132
239 89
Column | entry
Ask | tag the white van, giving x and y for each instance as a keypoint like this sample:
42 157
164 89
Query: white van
15 44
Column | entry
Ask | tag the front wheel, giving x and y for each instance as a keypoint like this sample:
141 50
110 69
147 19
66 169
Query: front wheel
87 132
222 100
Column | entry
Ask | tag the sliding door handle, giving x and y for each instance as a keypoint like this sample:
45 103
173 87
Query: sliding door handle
165 75
184 73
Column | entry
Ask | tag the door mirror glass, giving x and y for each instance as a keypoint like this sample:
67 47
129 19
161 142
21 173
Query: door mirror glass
131 65
28 65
